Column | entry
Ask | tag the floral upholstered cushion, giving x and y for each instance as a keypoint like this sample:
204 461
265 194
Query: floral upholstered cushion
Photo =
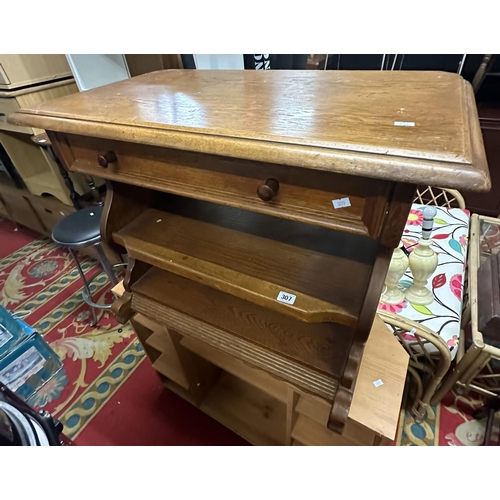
450 237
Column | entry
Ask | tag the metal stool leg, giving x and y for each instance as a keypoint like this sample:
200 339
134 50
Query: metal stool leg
85 285
108 268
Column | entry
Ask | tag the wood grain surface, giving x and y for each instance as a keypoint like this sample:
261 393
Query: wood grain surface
235 182
385 360
322 346
328 286
258 378
339 121
301 376
212 240
123 204
247 411
375 410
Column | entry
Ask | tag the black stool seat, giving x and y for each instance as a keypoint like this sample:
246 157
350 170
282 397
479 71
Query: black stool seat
81 228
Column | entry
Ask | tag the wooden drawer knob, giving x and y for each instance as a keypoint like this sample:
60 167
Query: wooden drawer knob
269 190
107 158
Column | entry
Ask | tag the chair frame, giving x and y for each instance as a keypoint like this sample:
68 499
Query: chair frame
427 368
472 364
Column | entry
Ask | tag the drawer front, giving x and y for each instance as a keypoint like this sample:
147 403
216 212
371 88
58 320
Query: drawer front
7 107
21 210
50 211
343 202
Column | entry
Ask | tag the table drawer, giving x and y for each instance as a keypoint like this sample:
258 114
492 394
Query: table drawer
282 191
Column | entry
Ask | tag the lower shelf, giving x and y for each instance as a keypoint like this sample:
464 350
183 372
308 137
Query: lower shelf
315 353
259 407
247 411
309 432
258 378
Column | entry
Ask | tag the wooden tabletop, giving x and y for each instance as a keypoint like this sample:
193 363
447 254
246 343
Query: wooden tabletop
409 126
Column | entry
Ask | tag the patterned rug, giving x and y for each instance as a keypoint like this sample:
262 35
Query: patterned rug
39 282
449 424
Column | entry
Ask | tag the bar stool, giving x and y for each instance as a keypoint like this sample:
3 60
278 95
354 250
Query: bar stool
82 229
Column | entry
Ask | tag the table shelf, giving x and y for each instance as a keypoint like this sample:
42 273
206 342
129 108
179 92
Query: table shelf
310 354
326 284
247 411
264 409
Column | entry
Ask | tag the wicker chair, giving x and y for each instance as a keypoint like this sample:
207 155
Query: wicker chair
439 197
476 368
430 357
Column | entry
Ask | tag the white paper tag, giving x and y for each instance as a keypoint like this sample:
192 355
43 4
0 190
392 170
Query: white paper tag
341 203
404 124
413 331
21 369
286 297
378 383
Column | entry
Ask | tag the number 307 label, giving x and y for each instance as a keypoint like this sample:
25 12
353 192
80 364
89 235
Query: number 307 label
341 203
286 297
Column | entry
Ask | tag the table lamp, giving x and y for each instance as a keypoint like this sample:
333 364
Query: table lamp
423 262
397 267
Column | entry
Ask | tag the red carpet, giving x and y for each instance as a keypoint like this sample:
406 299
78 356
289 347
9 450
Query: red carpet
143 412
108 394
12 239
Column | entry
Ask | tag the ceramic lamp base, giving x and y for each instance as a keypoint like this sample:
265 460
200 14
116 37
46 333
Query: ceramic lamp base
419 296
392 296
397 267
